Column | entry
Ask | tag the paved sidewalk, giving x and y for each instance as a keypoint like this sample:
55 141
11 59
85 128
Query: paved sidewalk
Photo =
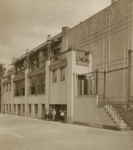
19 133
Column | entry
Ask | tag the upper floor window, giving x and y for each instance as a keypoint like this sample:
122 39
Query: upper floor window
19 88
55 76
56 53
62 73
37 84
36 109
7 87
41 83
37 62
32 85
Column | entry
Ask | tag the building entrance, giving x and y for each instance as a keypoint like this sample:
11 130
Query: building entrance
59 108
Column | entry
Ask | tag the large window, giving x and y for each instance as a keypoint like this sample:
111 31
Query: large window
37 84
55 76
30 108
33 85
62 74
56 54
14 107
19 88
41 83
36 109
23 108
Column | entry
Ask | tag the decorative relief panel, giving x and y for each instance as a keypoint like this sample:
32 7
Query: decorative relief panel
107 17
89 27
127 8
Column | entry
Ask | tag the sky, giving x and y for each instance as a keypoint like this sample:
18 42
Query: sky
26 23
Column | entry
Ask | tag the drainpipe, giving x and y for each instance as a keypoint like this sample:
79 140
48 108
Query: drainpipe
26 79
49 53
90 62
129 77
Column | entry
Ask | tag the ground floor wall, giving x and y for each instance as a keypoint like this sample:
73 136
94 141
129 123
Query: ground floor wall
86 112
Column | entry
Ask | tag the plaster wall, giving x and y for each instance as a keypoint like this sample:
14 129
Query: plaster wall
58 89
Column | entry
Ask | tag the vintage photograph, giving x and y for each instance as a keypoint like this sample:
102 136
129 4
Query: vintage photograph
66 74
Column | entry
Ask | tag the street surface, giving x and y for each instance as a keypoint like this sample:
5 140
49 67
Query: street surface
19 133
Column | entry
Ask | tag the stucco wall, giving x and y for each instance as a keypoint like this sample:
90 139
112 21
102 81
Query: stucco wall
58 89
85 111
109 45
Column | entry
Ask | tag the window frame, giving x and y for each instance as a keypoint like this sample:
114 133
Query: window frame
54 76
39 84
62 74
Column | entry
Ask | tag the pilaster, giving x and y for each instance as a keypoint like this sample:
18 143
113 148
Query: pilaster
47 83
70 72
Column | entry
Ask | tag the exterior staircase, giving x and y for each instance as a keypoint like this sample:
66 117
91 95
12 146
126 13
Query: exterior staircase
119 113
126 114
116 117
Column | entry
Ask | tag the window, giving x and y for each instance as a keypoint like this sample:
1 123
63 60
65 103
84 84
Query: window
41 83
37 84
23 108
19 88
45 54
7 107
32 85
37 62
36 109
10 107
55 76
22 88
3 88
14 107
56 53
62 74
7 87
29 108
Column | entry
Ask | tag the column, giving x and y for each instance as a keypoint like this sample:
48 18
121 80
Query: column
70 70
47 84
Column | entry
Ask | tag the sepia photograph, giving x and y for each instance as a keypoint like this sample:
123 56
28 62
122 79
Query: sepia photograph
66 74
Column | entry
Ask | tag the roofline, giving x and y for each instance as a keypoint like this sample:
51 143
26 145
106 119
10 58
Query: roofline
40 46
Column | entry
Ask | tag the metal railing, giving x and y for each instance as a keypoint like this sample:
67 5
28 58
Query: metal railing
7 78
109 107
59 57
40 65
19 72
82 56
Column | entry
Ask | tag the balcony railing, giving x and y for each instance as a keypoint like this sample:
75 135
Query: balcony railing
7 78
38 66
59 57
19 72
82 56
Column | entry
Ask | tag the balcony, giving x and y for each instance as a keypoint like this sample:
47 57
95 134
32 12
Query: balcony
82 57
36 67
19 73
7 79
59 60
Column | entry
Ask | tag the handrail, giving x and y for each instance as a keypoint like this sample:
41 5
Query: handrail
36 64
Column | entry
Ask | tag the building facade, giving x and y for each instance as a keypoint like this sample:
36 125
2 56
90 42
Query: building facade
77 69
